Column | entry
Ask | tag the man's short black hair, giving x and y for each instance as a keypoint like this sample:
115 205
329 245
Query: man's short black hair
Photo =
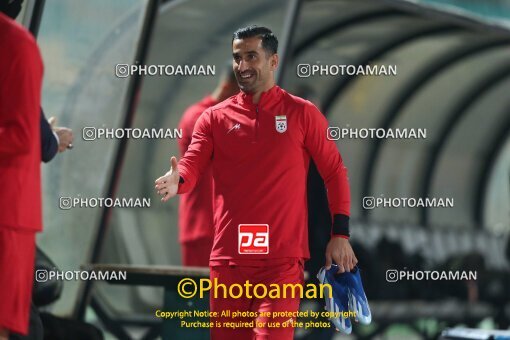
269 41
11 8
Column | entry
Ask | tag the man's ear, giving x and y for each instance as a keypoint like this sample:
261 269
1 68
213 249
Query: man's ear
274 61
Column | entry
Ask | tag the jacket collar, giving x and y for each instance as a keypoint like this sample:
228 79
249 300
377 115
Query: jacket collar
266 98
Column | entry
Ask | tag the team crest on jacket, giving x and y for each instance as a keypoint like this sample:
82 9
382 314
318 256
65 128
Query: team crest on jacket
281 123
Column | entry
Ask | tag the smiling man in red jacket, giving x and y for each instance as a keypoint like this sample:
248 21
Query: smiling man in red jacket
260 143
20 159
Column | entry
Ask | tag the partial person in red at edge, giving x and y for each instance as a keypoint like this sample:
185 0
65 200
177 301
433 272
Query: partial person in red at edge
20 158
196 229
260 143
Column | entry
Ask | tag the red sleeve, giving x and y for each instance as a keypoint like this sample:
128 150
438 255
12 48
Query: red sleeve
20 91
328 161
186 125
198 154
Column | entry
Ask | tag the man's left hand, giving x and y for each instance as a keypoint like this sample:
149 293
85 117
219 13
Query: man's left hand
65 135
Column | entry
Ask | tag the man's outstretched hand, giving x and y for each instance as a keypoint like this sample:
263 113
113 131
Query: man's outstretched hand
340 251
168 184
65 135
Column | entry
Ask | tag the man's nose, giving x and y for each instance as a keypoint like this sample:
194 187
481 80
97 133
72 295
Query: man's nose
243 65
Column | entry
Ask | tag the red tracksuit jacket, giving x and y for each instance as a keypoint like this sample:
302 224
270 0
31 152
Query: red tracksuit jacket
20 143
260 156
